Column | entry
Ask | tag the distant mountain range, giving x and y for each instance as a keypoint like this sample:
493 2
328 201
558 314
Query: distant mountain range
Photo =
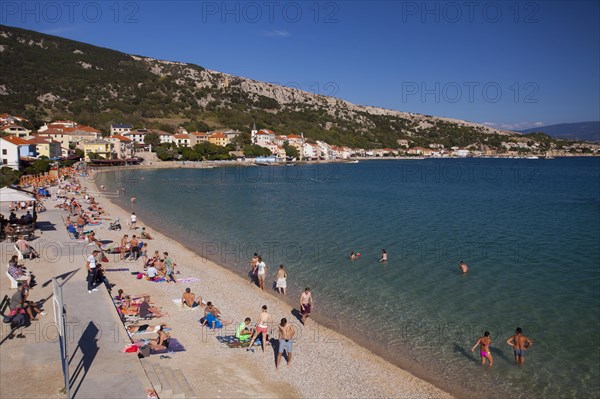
586 131
45 77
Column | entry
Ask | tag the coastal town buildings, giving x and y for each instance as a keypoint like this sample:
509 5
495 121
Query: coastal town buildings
68 132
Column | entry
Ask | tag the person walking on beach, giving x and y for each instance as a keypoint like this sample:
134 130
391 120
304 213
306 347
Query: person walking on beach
133 226
170 266
281 280
90 265
262 327
384 256
261 271
484 348
286 333
463 267
520 344
253 264
306 303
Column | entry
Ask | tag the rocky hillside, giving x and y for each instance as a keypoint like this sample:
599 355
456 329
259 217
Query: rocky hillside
43 77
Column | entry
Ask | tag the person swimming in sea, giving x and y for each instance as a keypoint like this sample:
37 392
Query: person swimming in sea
384 256
352 256
484 348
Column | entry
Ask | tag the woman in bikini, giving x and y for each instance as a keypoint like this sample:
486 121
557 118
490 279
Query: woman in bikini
484 348
162 341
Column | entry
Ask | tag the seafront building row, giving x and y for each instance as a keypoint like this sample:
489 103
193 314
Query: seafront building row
59 139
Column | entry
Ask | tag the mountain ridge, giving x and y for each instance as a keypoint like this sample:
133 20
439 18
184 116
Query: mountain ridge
46 76
587 131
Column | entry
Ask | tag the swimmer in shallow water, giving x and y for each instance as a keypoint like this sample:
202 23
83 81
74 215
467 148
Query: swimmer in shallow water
484 348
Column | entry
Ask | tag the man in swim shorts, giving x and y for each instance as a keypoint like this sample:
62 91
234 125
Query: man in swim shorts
189 299
306 303
520 344
286 333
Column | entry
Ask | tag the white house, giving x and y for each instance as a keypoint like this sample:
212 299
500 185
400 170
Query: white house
120 128
310 151
182 140
263 137
10 151
15 130
324 150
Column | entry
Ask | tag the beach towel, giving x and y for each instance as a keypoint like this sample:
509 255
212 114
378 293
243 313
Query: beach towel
187 280
174 346
158 280
119 269
178 303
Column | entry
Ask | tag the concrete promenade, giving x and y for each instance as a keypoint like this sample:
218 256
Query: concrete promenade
30 366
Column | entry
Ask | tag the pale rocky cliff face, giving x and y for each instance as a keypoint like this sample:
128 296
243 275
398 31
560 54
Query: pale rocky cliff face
289 98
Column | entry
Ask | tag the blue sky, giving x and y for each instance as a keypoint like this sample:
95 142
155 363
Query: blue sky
507 64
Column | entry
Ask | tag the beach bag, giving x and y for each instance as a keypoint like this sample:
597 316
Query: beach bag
144 351
18 320
12 315
140 276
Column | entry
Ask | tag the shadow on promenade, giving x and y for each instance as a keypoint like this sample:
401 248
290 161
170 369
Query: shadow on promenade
88 345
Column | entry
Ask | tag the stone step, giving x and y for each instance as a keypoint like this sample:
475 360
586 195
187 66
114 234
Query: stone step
184 383
174 382
152 376
166 390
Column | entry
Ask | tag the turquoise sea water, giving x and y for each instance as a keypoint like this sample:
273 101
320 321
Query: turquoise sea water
528 229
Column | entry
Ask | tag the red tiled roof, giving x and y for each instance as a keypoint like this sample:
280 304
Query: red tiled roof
15 140
120 137
38 140
217 135
181 136
52 130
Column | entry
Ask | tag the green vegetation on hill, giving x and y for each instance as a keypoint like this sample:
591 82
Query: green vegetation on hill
46 77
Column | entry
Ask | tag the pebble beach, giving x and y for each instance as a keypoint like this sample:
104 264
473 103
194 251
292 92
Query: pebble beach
325 363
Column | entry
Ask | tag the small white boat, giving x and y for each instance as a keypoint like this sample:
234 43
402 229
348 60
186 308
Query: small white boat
532 157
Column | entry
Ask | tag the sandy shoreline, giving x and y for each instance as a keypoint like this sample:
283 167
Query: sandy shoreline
326 363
